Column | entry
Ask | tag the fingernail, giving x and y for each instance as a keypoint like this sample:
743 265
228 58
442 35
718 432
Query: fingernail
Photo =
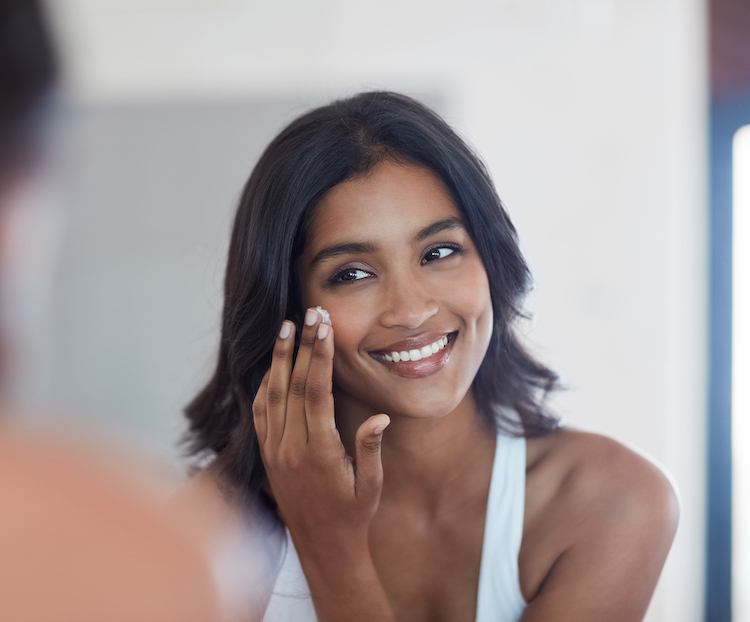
286 330
310 317
379 429
322 331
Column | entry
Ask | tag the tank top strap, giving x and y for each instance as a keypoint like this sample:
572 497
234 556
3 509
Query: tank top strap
499 597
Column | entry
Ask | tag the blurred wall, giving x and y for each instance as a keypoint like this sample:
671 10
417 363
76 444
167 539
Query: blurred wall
589 113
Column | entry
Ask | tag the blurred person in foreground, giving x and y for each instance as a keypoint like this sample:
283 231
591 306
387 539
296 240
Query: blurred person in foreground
81 539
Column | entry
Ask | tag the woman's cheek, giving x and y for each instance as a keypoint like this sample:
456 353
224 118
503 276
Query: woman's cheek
470 296
471 285
349 326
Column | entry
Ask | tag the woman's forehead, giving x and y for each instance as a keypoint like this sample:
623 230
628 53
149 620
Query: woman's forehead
392 201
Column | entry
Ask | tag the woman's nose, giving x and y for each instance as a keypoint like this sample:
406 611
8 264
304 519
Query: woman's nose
407 302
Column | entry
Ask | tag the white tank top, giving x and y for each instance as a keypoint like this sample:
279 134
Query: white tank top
499 596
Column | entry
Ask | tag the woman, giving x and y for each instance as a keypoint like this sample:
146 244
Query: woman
406 446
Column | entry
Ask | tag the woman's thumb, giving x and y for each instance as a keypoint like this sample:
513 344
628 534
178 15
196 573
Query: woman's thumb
368 468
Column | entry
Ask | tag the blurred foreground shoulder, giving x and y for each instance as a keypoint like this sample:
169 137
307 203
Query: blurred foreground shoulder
83 538
244 543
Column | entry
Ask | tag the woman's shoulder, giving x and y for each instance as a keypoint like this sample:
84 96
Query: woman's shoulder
602 506
586 467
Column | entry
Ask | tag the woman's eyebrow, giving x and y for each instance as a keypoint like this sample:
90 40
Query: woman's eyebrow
437 227
343 249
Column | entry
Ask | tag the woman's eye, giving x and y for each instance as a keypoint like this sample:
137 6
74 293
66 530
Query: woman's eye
437 253
349 275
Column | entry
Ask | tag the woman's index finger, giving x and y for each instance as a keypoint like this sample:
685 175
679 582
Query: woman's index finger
278 383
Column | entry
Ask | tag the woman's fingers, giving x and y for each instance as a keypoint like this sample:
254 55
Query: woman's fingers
277 391
296 423
259 410
321 423
368 469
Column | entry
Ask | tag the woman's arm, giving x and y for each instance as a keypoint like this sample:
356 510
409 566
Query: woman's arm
325 498
620 514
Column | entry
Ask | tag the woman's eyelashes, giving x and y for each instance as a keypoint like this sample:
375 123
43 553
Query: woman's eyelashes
353 274
349 275
440 252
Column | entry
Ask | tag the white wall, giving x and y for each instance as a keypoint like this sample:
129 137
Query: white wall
591 116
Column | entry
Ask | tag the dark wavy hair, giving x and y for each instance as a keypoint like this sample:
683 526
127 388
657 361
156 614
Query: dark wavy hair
27 72
317 151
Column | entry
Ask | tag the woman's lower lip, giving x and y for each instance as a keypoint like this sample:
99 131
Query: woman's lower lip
422 368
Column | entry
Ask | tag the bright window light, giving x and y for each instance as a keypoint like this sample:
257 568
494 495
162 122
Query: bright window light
741 375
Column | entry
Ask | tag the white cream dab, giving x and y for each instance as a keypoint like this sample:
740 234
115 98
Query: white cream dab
324 314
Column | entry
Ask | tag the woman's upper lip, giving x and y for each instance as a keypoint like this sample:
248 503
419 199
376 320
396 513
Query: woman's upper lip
413 343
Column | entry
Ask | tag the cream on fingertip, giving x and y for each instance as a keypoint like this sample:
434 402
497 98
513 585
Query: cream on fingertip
325 316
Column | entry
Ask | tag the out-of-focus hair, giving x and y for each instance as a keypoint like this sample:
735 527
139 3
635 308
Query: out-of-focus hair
317 151
27 72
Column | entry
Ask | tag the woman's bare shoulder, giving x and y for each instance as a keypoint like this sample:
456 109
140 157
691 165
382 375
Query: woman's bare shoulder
595 469
600 518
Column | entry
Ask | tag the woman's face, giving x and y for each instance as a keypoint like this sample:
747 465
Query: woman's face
390 259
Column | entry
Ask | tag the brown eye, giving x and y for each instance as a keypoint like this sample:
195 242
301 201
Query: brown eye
439 252
350 275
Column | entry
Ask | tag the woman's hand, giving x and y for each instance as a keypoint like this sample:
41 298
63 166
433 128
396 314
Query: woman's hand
326 498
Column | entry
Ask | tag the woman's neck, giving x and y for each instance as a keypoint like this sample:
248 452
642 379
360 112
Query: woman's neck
425 460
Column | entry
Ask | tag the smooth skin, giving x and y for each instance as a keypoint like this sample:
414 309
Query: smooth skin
383 479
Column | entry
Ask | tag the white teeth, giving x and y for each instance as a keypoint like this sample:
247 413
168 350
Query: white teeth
417 355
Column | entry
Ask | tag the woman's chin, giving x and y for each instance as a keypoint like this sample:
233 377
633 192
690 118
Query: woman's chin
421 407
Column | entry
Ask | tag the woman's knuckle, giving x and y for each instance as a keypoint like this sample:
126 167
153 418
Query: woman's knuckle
370 446
274 396
297 387
307 340
290 458
315 393
272 462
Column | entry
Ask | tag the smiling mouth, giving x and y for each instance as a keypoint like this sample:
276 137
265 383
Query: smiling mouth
406 356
